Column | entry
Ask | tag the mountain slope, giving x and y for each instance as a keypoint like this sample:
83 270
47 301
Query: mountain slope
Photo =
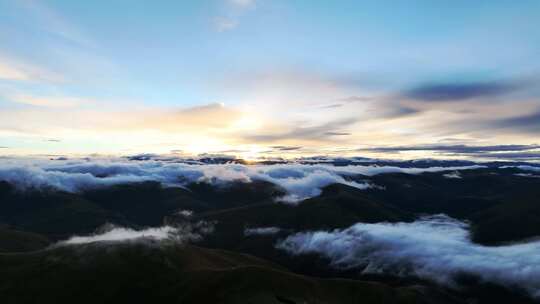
139 272
19 241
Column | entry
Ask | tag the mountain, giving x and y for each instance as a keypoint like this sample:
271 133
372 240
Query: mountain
146 272
20 241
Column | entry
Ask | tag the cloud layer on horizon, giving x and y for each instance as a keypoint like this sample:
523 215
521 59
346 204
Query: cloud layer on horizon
525 152
298 181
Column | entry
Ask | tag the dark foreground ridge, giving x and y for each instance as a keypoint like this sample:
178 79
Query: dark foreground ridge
143 272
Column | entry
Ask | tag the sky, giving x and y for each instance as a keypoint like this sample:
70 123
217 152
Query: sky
268 78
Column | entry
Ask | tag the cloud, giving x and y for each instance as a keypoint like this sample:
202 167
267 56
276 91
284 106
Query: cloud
337 133
12 73
398 111
261 231
460 91
60 115
516 152
317 132
210 115
243 4
186 232
299 181
286 148
524 168
225 24
54 23
529 123
52 102
454 175
526 156
527 175
332 106
12 69
235 9
122 234
460 149
356 99
435 247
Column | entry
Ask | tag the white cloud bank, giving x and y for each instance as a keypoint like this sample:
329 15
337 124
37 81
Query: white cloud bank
436 248
123 234
186 232
298 180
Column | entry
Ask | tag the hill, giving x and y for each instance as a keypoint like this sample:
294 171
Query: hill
138 272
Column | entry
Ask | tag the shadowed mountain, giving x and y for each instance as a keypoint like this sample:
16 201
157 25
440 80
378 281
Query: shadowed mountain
137 272
501 205
19 241
52 213
338 206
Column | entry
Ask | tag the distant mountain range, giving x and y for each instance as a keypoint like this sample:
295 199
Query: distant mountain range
238 260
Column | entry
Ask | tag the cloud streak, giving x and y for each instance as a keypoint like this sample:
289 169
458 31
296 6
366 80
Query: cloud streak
261 231
459 91
317 132
460 149
435 247
529 123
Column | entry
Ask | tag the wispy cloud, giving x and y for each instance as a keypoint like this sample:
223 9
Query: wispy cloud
317 132
243 4
286 148
261 231
13 69
55 23
461 149
50 101
234 10
12 73
529 123
225 24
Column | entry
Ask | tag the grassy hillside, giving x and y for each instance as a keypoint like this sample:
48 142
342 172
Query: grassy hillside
19 241
150 273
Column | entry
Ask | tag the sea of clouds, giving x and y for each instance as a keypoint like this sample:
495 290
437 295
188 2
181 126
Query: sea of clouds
436 247
300 181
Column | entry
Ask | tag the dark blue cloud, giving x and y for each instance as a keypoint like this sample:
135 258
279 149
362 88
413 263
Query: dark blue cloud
459 91
527 123
286 148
